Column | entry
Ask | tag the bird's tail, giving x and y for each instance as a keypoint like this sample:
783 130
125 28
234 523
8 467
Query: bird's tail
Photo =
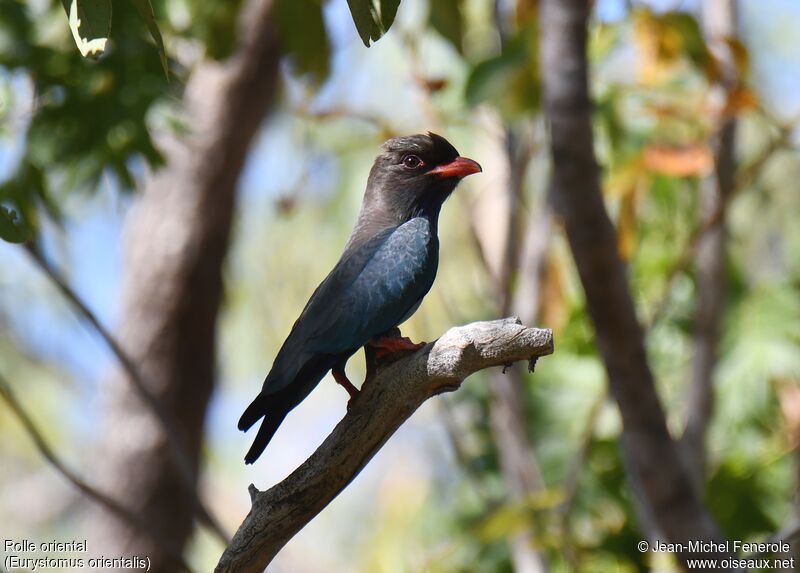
261 408
272 419
255 411
275 406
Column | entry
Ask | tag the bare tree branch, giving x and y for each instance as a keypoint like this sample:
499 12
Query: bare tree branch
111 505
504 267
527 298
719 20
386 401
655 468
508 417
179 453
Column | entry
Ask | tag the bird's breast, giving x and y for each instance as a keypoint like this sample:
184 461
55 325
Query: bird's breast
370 295
403 269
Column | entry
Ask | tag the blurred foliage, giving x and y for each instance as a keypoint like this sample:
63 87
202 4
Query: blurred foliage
446 66
212 24
309 51
88 117
446 17
145 10
510 80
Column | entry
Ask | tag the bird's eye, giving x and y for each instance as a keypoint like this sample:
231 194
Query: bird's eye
412 161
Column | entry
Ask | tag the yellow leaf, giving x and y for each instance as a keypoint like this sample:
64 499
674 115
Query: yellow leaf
660 45
503 522
624 177
740 99
553 307
627 226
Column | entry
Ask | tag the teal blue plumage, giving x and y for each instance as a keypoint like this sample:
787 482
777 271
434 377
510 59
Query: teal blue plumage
388 266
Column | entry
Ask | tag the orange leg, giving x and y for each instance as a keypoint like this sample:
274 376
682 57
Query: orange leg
341 378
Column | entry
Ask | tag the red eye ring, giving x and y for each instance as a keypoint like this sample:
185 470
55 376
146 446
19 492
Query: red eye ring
412 161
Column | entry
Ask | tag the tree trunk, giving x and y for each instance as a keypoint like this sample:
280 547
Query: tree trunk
655 468
176 241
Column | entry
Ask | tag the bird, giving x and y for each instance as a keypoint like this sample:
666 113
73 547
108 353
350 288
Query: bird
388 265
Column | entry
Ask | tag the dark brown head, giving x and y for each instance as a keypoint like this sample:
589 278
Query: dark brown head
413 176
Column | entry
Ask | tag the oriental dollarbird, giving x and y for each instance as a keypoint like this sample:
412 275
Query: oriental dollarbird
388 266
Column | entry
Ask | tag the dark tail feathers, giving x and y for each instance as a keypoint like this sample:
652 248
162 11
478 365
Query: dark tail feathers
255 411
268 428
274 406
272 419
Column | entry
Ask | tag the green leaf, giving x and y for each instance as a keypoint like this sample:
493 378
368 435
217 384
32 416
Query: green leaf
692 39
509 81
146 12
445 17
303 37
11 229
739 498
388 12
503 522
373 21
90 22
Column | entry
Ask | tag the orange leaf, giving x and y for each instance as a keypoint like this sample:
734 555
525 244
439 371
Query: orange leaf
627 227
789 399
689 161
433 85
553 308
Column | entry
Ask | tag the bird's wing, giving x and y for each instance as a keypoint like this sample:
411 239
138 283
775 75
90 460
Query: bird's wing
393 280
370 290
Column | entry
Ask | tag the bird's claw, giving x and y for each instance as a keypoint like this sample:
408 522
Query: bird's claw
387 345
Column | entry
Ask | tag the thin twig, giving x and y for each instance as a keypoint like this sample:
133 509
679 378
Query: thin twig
98 497
340 112
135 377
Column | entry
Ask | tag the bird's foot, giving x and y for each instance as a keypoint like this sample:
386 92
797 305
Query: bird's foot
387 345
341 379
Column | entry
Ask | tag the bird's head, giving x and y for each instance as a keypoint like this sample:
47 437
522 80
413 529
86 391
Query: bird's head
414 175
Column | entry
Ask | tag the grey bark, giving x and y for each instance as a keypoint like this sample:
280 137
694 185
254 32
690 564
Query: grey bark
719 20
387 399
176 241
655 468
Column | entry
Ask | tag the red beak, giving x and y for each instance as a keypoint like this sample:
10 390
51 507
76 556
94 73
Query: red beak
459 167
